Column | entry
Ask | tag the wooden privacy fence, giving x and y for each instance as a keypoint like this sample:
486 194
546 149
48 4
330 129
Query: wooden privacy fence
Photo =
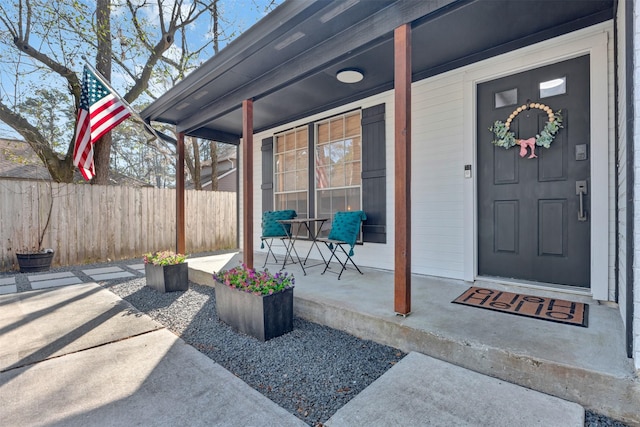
92 223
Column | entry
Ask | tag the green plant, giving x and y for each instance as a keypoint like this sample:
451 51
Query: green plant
507 139
255 282
164 258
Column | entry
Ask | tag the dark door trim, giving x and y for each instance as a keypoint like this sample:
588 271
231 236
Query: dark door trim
630 114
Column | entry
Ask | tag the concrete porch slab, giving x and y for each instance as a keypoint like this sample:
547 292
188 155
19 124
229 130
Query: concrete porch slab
201 269
421 390
40 325
587 366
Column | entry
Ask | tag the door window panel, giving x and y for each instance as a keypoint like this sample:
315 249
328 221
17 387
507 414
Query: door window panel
506 97
553 87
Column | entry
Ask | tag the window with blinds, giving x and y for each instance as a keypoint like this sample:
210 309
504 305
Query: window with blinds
291 171
338 165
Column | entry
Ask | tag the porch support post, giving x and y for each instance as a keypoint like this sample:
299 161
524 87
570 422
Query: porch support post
180 222
402 269
247 181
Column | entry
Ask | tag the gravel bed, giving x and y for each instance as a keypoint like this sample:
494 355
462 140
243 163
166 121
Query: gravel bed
311 372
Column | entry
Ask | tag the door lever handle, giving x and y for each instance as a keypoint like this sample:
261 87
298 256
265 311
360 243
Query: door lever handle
581 191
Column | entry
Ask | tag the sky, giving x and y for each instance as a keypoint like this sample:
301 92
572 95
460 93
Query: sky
237 16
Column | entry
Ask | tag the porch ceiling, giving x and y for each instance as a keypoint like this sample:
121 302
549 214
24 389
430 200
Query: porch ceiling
288 61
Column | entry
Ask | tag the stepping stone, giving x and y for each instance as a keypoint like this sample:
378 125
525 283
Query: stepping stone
103 270
109 276
53 283
8 281
49 276
8 289
421 390
136 266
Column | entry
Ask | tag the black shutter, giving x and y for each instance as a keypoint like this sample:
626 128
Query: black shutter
267 174
374 186
311 194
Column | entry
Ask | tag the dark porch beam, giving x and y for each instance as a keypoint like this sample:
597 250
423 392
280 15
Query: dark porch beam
247 180
180 221
216 135
402 94
379 26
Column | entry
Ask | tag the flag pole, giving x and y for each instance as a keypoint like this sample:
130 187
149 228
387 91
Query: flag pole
159 135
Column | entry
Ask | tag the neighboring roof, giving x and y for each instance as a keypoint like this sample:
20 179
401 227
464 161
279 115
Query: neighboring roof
226 174
287 62
19 161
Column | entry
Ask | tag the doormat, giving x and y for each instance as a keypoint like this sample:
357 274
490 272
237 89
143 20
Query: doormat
551 309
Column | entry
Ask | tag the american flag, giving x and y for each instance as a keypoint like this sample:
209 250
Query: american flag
100 111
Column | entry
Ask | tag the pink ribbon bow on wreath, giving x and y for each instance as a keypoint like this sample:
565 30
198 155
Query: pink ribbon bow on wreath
527 143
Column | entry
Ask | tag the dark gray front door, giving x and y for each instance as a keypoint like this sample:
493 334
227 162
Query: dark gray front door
529 224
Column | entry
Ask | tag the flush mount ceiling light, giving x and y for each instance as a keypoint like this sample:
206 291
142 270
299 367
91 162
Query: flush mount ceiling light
349 75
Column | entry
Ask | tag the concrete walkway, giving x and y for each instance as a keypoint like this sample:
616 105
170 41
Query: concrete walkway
78 355
421 390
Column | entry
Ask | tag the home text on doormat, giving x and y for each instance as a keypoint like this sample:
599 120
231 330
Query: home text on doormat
551 309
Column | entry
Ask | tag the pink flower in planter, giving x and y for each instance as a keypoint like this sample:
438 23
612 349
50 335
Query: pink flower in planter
251 281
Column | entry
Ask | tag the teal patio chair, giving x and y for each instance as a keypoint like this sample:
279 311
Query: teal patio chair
345 229
272 229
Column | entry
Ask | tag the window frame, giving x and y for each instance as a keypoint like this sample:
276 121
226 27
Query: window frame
374 172
276 193
316 129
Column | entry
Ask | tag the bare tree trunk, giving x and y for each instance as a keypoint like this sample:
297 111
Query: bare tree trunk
102 147
214 165
193 162
197 176
216 35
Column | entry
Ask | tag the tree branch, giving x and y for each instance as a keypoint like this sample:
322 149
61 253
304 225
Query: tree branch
60 170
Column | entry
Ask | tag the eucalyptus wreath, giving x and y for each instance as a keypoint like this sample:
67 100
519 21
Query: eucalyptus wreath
507 139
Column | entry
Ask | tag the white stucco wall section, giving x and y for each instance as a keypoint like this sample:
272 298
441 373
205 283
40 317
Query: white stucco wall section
593 41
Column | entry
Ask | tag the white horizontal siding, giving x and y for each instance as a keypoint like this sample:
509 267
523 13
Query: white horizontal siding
437 177
612 168
440 195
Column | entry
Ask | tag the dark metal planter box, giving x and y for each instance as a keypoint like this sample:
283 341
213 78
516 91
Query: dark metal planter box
261 316
167 278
